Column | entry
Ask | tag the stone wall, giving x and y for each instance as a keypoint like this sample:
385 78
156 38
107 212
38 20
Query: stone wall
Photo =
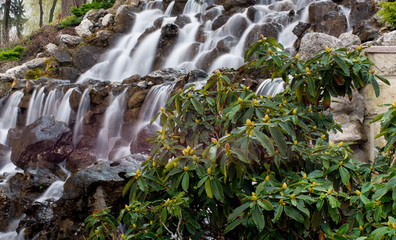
384 58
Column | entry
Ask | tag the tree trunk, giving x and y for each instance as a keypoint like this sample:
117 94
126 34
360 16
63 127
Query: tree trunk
19 18
6 21
41 12
51 13
68 4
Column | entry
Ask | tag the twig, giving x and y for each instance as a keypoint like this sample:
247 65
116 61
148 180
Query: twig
178 226
167 229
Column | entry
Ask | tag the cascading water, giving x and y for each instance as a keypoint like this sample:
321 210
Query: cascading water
82 110
133 54
64 109
55 191
155 99
110 132
270 87
35 105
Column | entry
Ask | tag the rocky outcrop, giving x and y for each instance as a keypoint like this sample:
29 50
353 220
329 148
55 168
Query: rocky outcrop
168 37
124 19
43 144
326 17
313 42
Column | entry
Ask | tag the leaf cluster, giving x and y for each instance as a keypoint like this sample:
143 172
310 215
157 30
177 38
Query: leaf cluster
387 13
12 54
228 164
330 73
96 4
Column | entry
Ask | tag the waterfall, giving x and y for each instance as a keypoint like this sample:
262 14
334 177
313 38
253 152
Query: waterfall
9 115
110 132
55 190
35 106
270 87
155 99
64 109
82 110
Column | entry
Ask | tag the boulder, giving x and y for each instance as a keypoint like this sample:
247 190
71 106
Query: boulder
83 30
18 71
182 20
42 144
86 56
124 19
236 25
69 73
59 54
95 14
178 6
348 40
361 10
69 40
80 159
282 6
365 30
219 22
230 5
317 10
4 155
388 39
137 99
108 20
314 42
300 28
101 38
352 131
141 143
169 34
334 23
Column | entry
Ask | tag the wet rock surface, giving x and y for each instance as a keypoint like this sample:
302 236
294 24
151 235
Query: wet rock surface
44 143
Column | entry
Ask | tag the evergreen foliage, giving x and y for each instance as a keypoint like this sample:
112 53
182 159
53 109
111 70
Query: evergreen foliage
229 164
12 54
388 13
96 4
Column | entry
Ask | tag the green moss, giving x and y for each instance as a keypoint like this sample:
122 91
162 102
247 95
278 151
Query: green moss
96 4
12 54
33 74
388 13
69 22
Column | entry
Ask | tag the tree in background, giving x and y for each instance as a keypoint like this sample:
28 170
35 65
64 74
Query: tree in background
13 16
18 10
6 6
51 13
68 4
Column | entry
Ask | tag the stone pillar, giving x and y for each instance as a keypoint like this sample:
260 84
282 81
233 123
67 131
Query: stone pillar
384 58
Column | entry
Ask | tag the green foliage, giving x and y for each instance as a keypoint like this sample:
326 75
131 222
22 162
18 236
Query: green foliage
96 4
387 13
33 74
69 22
330 73
12 54
388 126
228 164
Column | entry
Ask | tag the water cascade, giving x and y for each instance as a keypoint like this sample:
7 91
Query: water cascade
82 110
270 87
110 132
55 191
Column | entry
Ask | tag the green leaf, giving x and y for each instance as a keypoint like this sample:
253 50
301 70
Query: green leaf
128 186
379 193
344 175
186 181
217 190
294 213
208 189
343 229
197 105
279 139
233 225
379 233
391 183
265 204
364 199
237 211
265 141
341 64
334 203
241 155
278 213
366 187
258 218
142 185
